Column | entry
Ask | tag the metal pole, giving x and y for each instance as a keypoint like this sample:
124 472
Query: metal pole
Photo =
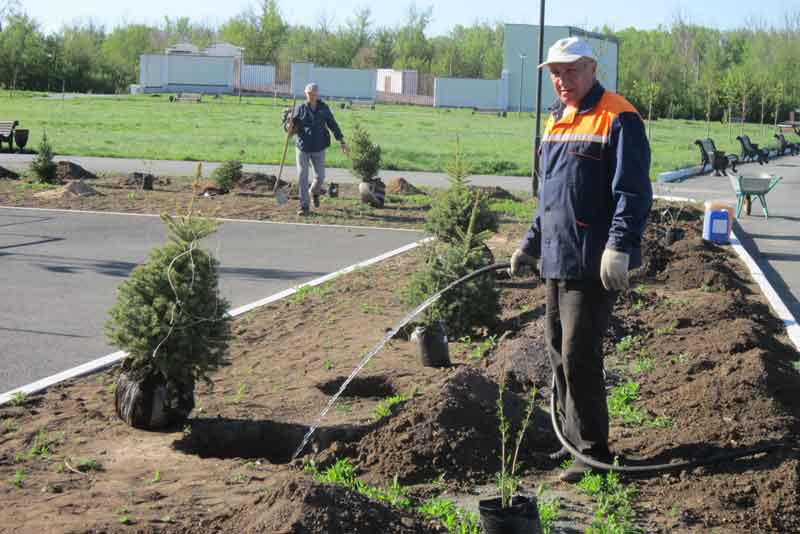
538 138
521 82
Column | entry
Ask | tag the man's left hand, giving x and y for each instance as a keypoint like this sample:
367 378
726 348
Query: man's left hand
614 270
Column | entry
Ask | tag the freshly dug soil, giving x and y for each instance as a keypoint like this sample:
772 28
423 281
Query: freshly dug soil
495 192
452 431
66 170
713 359
710 358
71 190
6 173
401 186
252 198
302 506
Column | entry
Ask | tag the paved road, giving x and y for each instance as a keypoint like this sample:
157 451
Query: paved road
775 242
59 272
188 168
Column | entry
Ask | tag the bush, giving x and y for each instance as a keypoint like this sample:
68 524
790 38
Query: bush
228 174
169 315
472 304
450 211
43 167
365 156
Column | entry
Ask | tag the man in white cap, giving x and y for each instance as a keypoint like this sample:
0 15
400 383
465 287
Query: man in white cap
594 199
311 121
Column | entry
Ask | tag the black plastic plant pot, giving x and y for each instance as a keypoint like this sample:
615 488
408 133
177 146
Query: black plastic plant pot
522 517
432 341
152 403
333 190
21 138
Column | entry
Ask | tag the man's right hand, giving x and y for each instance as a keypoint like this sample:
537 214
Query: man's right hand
519 260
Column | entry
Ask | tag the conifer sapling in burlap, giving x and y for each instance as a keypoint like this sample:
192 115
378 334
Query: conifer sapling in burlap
43 166
365 162
172 322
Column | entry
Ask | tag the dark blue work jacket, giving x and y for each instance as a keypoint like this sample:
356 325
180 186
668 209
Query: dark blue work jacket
312 127
594 191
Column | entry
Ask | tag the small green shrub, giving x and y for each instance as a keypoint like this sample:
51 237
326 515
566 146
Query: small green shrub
169 316
365 156
384 408
19 398
452 208
228 174
470 305
43 166
474 303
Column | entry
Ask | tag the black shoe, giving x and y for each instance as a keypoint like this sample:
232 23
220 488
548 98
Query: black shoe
303 212
560 454
315 199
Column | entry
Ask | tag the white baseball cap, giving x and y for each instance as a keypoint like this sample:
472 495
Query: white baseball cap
568 50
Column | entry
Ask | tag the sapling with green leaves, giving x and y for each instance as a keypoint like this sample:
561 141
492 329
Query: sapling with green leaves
507 479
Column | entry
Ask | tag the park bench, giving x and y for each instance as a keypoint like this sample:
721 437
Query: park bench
716 158
751 152
784 145
362 104
747 187
7 133
188 97
489 111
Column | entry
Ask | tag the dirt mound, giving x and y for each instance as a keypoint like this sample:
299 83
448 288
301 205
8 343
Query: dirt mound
302 506
137 179
496 193
71 190
452 431
5 173
524 360
401 186
66 170
256 182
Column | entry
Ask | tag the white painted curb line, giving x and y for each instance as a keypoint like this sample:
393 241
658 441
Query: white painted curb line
775 301
111 359
121 213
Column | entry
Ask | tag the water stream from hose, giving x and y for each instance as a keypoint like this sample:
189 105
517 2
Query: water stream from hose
393 332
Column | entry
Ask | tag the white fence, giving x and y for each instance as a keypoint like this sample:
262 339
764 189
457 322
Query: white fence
258 78
471 93
353 84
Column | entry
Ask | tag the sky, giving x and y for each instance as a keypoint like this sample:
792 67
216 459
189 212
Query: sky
618 14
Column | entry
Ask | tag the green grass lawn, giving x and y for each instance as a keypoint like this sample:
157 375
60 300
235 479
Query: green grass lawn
412 138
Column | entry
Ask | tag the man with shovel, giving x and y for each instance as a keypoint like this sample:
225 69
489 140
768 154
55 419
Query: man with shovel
311 122
594 199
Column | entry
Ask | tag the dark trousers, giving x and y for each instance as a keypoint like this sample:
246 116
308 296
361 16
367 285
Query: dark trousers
578 312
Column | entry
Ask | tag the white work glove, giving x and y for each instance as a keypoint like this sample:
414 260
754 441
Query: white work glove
614 270
519 260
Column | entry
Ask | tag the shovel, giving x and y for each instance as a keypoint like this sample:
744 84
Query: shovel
280 196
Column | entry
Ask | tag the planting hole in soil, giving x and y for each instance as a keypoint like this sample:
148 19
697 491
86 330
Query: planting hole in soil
270 440
366 387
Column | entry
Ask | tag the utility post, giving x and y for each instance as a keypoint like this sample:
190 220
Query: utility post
522 58
538 138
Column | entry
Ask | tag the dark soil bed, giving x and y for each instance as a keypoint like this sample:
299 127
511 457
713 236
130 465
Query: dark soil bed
712 362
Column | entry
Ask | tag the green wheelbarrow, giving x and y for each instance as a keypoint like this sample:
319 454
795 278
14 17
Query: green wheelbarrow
747 187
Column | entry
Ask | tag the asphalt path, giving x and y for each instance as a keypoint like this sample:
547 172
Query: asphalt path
59 272
773 243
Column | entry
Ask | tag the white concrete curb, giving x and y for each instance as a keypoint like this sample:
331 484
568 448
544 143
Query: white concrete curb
254 221
110 359
775 301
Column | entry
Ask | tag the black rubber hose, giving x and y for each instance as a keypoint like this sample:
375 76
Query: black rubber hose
645 468
649 468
